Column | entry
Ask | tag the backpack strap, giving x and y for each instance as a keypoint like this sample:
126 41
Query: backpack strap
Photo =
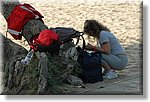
83 47
69 38
6 33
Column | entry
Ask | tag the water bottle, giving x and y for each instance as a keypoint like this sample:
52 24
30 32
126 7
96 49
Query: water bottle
28 57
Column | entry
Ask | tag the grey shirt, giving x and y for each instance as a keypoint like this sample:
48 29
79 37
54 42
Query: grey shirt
116 48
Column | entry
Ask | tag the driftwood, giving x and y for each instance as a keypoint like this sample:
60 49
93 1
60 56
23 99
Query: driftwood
44 71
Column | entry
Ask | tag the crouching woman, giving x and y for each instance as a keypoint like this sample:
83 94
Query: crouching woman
113 55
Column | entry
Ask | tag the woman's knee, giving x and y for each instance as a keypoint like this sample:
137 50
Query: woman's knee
118 68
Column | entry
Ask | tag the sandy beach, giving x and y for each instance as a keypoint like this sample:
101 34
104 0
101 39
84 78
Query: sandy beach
123 19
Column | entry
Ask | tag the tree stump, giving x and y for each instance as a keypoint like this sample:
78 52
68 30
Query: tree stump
44 71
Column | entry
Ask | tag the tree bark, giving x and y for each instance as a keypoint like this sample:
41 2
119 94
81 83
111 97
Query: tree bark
49 70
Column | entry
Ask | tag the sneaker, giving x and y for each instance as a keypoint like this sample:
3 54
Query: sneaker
111 74
104 72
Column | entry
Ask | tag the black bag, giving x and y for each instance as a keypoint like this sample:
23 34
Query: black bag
90 64
66 34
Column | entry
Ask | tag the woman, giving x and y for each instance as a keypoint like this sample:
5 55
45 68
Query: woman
113 55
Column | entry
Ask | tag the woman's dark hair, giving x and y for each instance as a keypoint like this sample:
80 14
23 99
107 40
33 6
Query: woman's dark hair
93 28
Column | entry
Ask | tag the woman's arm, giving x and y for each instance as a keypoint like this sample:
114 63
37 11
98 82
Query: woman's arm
105 48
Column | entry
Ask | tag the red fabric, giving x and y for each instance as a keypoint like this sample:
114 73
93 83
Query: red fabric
33 47
19 17
46 37
33 10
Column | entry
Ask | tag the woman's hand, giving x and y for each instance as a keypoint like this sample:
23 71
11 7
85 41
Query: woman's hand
89 47
105 49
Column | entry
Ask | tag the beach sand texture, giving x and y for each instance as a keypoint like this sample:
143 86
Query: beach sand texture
123 19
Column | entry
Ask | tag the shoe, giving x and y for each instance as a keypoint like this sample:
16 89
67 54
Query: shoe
111 74
104 71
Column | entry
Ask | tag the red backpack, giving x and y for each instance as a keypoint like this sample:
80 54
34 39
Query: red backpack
46 37
19 16
45 41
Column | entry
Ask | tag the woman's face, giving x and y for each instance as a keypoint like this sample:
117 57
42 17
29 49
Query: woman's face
90 33
92 28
